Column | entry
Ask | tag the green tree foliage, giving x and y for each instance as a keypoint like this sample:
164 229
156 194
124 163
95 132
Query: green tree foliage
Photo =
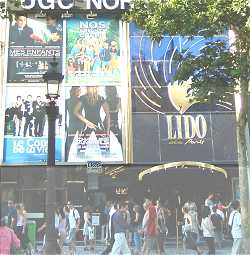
9 7
218 70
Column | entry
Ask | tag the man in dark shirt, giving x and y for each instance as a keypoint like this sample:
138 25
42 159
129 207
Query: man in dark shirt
120 226
12 215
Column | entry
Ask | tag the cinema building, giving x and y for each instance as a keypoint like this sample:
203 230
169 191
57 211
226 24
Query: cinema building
119 108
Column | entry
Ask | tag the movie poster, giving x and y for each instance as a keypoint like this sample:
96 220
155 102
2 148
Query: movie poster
32 45
93 120
93 52
26 126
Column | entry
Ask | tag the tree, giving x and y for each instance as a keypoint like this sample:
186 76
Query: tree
219 69
8 7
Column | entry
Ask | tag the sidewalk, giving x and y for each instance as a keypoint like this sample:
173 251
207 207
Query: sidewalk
170 249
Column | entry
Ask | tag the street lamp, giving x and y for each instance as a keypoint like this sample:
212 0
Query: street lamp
53 79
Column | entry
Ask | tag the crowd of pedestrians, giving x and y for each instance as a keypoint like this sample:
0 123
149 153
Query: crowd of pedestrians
132 228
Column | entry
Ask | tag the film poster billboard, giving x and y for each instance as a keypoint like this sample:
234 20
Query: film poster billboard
26 126
93 123
93 52
32 45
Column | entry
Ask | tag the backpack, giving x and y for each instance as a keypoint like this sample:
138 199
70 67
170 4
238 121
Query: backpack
216 220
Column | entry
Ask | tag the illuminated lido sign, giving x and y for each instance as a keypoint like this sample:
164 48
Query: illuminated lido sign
82 4
191 129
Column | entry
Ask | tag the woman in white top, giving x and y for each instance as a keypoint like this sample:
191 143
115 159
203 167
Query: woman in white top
62 229
21 224
208 230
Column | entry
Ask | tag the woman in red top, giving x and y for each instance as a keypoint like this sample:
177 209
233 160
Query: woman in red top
7 238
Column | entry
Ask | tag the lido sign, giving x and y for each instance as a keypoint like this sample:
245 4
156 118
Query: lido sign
82 4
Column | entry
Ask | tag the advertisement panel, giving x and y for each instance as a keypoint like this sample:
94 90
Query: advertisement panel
175 127
26 126
93 124
32 45
93 52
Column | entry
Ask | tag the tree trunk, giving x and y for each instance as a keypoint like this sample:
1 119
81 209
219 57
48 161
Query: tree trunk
243 143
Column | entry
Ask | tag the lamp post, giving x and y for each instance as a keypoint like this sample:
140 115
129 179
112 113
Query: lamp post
53 79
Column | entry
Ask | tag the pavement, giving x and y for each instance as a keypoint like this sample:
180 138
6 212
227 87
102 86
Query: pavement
170 249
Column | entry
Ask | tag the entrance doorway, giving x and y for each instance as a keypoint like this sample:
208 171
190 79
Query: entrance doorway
175 186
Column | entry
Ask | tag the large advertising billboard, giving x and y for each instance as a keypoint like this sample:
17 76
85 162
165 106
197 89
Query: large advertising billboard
26 126
32 45
90 125
175 128
93 124
93 52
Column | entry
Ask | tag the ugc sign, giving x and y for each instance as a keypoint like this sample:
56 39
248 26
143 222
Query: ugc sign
82 4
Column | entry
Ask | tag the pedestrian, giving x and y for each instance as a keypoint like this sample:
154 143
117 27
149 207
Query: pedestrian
127 217
120 224
218 224
62 230
234 223
21 229
208 229
21 224
162 226
210 200
74 223
190 229
12 215
150 229
113 209
88 229
136 226
8 238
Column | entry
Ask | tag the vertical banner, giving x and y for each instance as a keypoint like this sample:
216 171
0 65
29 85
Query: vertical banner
32 45
93 52
93 124
26 126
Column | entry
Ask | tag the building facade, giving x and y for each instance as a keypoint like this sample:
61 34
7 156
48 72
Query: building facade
119 105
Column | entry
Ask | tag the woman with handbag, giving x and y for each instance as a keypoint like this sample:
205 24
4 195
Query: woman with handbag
8 239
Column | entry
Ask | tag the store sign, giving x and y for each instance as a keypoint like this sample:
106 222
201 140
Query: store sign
68 4
192 129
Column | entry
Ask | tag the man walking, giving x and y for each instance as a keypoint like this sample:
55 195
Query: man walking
74 223
120 226
12 215
234 223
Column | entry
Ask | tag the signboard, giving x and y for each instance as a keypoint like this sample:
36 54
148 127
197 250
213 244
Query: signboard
93 52
94 167
174 127
83 4
93 124
26 126
92 82
32 45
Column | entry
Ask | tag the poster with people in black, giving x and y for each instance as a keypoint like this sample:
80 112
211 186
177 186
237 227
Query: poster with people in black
93 124
32 45
26 126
